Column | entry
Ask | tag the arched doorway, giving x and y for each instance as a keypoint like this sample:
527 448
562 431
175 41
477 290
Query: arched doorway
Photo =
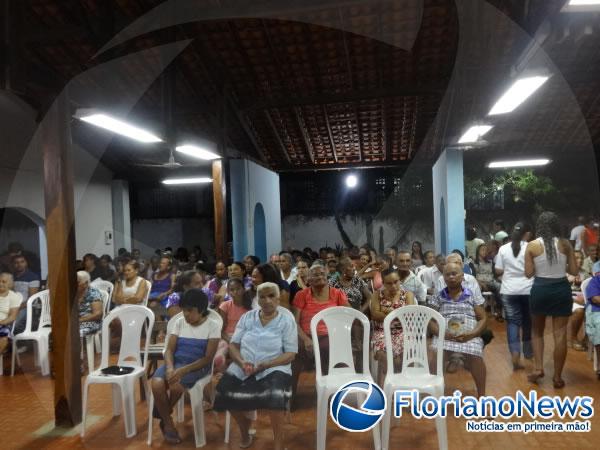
26 227
260 233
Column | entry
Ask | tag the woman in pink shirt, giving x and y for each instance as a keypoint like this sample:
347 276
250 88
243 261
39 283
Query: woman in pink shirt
231 311
307 303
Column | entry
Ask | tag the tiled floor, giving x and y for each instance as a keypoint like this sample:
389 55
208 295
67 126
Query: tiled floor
27 412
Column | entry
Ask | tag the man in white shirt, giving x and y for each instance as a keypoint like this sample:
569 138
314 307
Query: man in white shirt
469 281
409 280
430 276
575 237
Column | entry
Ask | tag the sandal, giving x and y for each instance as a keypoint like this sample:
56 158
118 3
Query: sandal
249 443
535 376
172 437
558 384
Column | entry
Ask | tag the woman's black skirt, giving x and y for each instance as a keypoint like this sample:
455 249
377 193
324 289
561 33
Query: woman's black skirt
271 392
551 297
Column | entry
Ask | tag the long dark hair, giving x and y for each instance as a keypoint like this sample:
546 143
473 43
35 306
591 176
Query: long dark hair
516 236
184 280
548 227
246 299
420 254
477 261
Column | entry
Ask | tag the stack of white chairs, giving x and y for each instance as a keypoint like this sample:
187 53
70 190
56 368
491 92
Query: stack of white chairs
133 321
415 373
196 392
338 321
41 336
592 355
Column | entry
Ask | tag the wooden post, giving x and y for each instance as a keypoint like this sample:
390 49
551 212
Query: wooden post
219 201
60 229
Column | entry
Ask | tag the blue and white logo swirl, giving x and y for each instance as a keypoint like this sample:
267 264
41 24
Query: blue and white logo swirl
364 418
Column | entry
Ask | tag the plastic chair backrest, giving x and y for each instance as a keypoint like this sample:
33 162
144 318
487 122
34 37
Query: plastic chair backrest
104 285
45 318
584 285
105 302
133 320
339 320
148 288
414 320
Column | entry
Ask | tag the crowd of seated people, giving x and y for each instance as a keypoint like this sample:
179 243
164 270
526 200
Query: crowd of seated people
267 308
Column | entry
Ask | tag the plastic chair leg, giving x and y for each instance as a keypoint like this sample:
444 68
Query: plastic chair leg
98 343
322 401
84 409
116 400
150 398
43 350
227 426
13 358
440 425
128 396
196 397
180 412
89 349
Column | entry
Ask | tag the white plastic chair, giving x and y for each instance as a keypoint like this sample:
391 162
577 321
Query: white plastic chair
40 336
133 320
104 285
592 355
196 392
148 287
415 373
338 321
91 338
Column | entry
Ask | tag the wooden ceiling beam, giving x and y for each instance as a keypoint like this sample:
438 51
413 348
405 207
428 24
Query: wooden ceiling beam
309 148
280 142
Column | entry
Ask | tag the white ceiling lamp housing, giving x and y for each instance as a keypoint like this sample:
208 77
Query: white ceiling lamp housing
117 126
582 6
518 163
197 152
194 180
520 91
474 133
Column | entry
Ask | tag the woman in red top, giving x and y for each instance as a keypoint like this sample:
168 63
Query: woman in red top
307 303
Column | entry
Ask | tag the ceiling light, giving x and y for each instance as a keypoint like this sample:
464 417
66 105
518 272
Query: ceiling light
197 180
118 126
474 133
520 163
584 2
517 94
351 181
197 152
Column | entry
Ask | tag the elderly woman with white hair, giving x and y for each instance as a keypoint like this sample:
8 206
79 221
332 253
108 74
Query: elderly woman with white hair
264 344
90 305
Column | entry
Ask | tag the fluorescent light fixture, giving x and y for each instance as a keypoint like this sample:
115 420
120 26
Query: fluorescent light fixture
519 163
118 126
474 133
520 91
584 2
351 181
197 152
196 180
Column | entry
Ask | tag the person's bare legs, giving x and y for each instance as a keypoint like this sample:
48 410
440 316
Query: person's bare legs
576 321
277 418
559 330
538 324
162 403
3 344
244 424
476 366
381 359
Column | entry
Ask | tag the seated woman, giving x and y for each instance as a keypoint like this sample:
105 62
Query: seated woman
383 302
10 302
466 321
484 274
191 347
578 315
250 262
592 319
417 259
90 305
268 273
301 281
231 310
262 347
163 282
132 289
188 280
307 303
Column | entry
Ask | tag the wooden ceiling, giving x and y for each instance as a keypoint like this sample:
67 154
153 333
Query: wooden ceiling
312 84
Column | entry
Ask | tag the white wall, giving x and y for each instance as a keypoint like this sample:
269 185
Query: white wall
21 178
301 231
150 234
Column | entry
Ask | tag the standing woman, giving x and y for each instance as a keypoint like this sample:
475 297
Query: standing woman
514 290
548 258
416 255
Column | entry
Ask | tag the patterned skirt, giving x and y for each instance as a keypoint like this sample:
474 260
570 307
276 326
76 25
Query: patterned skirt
271 392
592 325
378 340
87 328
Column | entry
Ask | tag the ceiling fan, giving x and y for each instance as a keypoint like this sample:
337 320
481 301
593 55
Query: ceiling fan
170 164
